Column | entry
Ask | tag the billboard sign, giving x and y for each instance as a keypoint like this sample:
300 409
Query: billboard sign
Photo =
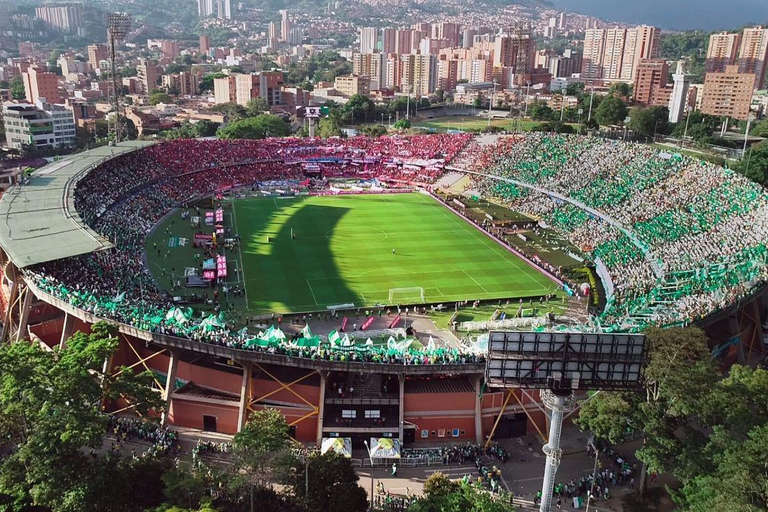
565 360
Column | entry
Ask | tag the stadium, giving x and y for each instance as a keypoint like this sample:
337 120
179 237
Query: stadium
302 274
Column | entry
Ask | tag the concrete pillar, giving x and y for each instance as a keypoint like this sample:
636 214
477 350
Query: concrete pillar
24 315
401 406
170 384
66 331
478 410
9 311
321 407
245 396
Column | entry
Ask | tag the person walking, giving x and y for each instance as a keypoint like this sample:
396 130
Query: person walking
394 469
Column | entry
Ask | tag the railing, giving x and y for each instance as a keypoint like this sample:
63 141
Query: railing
244 356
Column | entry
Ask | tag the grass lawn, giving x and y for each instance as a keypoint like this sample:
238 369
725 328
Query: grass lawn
343 253
442 124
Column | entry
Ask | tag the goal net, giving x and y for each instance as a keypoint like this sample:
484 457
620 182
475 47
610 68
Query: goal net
414 295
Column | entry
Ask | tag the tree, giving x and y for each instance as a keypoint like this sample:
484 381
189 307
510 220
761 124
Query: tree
256 106
754 165
699 126
206 84
440 95
261 448
648 121
438 485
621 89
232 111
17 88
760 129
49 412
360 109
259 127
612 111
329 127
402 124
205 128
574 88
160 97
540 112
374 130
332 486
464 498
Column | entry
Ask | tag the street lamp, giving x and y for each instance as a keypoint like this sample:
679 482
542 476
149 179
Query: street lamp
370 458
490 103
591 98
687 118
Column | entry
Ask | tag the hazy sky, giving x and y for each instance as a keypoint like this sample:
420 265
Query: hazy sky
675 14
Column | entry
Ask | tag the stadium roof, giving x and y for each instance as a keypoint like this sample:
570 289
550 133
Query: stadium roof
38 220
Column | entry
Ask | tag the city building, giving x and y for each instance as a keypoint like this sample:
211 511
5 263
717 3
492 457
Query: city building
41 124
370 65
41 84
170 49
96 54
388 40
650 88
753 54
64 18
728 94
369 39
204 8
614 54
224 89
349 85
205 44
285 25
146 71
224 9
722 51
183 83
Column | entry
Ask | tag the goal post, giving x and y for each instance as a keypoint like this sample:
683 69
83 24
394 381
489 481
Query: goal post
414 294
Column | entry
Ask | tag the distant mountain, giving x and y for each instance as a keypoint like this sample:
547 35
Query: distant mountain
674 14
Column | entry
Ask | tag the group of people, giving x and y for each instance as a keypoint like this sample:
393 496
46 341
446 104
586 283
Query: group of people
680 237
126 196
163 441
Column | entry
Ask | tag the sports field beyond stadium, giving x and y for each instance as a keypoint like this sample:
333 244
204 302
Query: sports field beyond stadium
354 249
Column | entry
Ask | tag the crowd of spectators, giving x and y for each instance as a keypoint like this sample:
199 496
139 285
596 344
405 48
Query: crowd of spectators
126 196
687 237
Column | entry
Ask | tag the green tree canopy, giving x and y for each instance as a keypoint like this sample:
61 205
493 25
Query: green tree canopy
612 111
261 448
49 412
754 165
329 127
333 484
159 97
232 111
259 127
648 121
256 106
402 124
360 109
540 112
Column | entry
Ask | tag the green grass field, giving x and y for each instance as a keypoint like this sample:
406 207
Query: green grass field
442 124
342 253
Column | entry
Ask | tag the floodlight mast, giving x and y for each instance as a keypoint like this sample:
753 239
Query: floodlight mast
118 25
559 402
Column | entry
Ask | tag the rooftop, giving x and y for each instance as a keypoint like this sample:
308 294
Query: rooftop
38 220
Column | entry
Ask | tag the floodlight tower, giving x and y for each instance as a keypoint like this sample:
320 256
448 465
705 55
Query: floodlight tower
559 402
118 25
558 363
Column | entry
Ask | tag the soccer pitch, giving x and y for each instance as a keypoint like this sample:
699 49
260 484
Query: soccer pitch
355 248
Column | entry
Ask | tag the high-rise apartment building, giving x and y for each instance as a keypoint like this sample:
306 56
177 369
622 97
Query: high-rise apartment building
650 87
272 30
204 8
205 44
285 25
388 40
753 54
183 83
65 18
722 51
449 31
404 42
370 65
40 84
96 54
369 39
170 49
614 54
224 89
224 9
728 93
146 72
